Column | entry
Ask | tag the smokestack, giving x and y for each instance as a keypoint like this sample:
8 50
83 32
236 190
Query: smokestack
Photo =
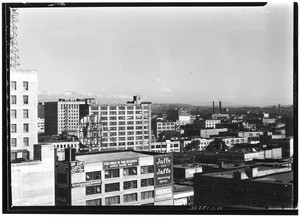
220 107
279 108
213 107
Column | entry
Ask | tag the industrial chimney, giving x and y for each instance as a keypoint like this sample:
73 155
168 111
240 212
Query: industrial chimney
213 107
279 109
220 107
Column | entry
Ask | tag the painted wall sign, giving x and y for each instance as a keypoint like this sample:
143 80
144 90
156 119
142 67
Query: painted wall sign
165 193
181 202
77 167
163 170
88 183
120 163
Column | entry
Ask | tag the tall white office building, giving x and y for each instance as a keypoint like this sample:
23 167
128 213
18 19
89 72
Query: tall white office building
23 113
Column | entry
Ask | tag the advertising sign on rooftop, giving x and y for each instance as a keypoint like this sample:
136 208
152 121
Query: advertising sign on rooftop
163 170
120 163
165 193
77 167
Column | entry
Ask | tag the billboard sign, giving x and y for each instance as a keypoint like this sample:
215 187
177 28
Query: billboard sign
120 163
85 184
165 193
181 201
77 167
163 170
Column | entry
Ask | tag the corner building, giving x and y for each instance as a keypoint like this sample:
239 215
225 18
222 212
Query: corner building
23 113
114 178
125 126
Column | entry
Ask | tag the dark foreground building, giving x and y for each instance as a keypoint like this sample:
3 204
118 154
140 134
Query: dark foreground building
263 186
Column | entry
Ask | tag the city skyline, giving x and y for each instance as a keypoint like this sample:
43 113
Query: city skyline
240 56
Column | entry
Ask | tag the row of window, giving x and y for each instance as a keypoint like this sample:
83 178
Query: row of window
14 85
124 117
116 199
13 113
123 123
14 99
116 172
106 143
96 189
14 142
125 128
69 106
129 138
25 128
120 107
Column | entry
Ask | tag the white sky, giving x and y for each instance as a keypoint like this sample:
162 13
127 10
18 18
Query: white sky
185 55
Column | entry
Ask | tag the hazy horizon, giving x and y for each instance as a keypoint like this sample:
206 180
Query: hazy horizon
191 55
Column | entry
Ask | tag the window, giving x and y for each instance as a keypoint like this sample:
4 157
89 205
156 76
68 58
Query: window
13 113
113 118
130 171
121 112
13 85
147 182
130 128
147 169
103 113
25 85
13 156
147 195
112 200
25 128
93 175
130 122
13 128
130 184
13 99
103 107
129 107
93 190
112 187
25 99
14 142
121 128
25 113
112 113
95 202
26 141
130 197
112 173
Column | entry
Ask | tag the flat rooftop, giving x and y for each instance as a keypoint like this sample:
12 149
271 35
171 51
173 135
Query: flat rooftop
182 188
109 156
280 178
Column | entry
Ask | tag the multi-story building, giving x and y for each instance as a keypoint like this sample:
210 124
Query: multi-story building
32 182
262 186
211 123
61 146
125 126
64 115
167 126
181 115
231 141
166 147
114 178
220 116
23 113
267 121
206 133
250 134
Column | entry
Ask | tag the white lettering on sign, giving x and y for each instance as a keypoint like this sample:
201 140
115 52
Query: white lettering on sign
166 160
163 194
180 202
163 171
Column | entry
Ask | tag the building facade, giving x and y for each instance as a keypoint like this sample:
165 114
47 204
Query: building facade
167 126
23 113
165 147
125 126
263 186
32 182
64 115
114 178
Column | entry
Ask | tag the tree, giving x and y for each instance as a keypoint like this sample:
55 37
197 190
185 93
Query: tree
217 145
193 146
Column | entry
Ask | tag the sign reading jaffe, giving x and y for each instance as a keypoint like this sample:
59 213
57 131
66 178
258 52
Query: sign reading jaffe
163 170
120 163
